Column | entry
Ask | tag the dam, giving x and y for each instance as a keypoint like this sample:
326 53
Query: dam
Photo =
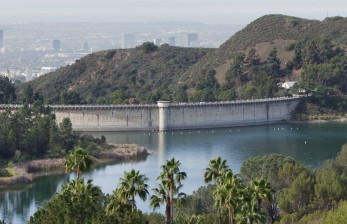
172 116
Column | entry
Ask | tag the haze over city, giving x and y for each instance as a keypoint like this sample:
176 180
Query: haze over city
217 11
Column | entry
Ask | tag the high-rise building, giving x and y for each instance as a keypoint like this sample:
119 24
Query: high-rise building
191 40
85 47
172 41
56 45
1 39
157 42
127 40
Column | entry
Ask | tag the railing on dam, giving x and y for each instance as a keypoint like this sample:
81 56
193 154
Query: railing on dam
148 106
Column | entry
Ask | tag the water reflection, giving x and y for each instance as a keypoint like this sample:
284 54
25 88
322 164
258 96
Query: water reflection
161 146
16 203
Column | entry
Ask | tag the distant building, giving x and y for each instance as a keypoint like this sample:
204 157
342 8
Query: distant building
127 40
56 45
45 70
191 40
1 39
288 85
172 41
157 41
85 47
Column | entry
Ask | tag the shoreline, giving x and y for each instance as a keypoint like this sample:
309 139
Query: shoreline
339 119
25 172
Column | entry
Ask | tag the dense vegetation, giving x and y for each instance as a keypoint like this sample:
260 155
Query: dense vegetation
7 91
32 133
324 77
142 74
270 189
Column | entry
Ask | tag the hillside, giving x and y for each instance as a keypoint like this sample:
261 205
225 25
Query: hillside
266 33
130 72
173 73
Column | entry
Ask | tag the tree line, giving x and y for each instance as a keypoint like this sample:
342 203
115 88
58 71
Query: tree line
32 132
269 189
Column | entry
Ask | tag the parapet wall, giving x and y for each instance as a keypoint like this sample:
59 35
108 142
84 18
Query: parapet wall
167 116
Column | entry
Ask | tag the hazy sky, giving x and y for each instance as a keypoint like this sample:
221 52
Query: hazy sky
207 11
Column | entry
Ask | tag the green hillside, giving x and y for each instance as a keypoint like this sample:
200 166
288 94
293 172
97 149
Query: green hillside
266 33
114 76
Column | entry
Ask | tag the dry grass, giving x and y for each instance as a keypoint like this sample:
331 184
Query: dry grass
121 152
43 165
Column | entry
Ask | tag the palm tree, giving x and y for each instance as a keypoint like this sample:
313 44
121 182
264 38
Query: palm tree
213 172
185 219
162 195
117 203
261 189
248 210
133 183
215 169
227 193
82 199
171 175
77 160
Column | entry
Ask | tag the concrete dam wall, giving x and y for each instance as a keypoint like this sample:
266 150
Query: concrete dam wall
169 116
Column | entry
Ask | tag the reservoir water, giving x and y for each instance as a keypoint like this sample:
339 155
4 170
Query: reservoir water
310 144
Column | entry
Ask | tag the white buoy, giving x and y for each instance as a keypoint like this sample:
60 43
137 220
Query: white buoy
305 142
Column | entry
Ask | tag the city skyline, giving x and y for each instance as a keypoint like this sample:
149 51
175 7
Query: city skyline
211 12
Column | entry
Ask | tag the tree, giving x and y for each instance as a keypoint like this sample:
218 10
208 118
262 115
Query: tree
117 204
65 134
299 195
172 176
236 69
162 195
133 183
338 215
7 91
261 189
216 168
207 88
78 202
148 47
181 95
228 193
250 212
329 189
28 94
273 64
77 160
266 166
